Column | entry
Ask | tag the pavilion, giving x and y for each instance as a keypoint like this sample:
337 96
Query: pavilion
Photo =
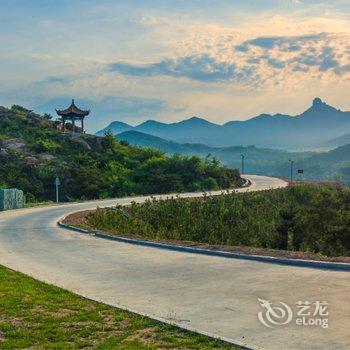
72 114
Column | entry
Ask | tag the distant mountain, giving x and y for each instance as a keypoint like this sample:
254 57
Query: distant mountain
308 130
338 141
332 165
115 128
259 160
145 140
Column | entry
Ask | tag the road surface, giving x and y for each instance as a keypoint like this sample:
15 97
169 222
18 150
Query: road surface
210 294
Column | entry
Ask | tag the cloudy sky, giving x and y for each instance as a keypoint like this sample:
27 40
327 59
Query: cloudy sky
169 60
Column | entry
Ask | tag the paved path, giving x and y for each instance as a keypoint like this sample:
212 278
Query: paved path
211 294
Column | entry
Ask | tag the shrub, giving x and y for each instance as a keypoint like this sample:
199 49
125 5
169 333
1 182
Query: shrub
45 146
302 218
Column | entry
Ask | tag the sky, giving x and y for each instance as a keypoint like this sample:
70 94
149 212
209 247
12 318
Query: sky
170 60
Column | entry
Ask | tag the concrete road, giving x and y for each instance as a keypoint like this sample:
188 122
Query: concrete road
211 294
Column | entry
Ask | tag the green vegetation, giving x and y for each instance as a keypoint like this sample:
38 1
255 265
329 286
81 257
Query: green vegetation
333 165
36 315
313 218
33 152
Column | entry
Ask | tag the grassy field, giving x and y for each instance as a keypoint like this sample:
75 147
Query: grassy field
36 315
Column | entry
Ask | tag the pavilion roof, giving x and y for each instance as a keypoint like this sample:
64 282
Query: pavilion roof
72 110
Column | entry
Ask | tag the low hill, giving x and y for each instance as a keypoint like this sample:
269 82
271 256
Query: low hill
115 128
308 130
33 152
331 165
170 147
338 141
145 140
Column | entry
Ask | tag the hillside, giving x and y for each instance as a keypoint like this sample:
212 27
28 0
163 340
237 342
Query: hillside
33 152
308 130
145 140
338 141
332 165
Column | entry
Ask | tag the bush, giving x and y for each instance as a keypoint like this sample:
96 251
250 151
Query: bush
302 218
45 146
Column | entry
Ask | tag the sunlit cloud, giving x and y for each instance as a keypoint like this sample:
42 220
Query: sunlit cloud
255 61
201 67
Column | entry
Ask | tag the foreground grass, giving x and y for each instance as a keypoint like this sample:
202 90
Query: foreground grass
40 316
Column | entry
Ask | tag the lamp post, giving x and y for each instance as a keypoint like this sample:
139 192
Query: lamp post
57 184
242 157
291 171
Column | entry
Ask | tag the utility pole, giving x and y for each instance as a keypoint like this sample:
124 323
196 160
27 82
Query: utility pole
57 184
291 171
243 157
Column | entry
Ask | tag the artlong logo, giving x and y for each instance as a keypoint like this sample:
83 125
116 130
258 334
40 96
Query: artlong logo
308 314
274 315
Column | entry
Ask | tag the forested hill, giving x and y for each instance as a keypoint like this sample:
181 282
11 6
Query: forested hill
33 152
331 165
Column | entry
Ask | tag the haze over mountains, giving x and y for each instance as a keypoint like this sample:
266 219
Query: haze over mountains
320 126
331 165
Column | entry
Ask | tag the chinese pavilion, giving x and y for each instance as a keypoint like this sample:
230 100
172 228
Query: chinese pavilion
72 114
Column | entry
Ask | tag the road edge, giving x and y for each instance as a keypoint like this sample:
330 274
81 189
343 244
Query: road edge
324 265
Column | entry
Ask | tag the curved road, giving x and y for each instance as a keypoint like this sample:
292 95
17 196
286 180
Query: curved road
213 295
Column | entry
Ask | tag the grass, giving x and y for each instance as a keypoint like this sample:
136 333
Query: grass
36 315
38 204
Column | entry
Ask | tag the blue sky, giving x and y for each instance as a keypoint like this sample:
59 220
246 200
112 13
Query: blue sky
170 60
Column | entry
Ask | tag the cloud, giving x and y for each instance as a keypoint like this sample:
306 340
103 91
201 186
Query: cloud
52 80
283 43
169 60
197 67
257 61
275 63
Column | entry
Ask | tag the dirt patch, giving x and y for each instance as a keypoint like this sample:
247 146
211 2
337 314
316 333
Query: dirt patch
111 321
60 313
144 336
16 322
26 298
79 219
89 307
64 313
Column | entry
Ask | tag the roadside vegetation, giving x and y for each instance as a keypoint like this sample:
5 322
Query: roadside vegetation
307 218
33 152
36 315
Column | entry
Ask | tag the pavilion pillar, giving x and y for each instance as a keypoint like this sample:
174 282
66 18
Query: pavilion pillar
82 125
63 124
73 125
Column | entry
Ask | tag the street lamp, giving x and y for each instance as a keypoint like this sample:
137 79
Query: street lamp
291 170
57 184
243 157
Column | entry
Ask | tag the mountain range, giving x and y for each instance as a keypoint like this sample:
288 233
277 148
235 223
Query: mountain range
319 127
